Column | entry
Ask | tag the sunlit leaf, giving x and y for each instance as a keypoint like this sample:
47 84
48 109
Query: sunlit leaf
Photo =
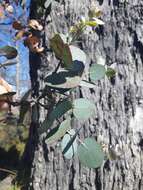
34 24
78 54
66 79
91 23
58 132
98 21
8 51
69 144
90 153
83 108
97 72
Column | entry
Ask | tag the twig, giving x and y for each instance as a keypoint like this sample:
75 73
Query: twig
7 171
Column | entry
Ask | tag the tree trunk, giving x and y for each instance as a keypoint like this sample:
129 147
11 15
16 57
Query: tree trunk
119 106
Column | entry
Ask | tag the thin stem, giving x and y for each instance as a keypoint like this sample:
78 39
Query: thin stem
57 68
7 171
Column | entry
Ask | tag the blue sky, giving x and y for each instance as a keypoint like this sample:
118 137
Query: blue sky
7 34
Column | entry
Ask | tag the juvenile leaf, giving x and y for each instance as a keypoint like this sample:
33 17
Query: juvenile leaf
69 144
9 52
59 110
58 132
90 153
110 72
78 54
83 108
97 72
66 79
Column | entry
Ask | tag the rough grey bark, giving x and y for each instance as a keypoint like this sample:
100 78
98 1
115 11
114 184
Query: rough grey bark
119 106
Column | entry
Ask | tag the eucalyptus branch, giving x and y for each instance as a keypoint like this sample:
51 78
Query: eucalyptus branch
8 171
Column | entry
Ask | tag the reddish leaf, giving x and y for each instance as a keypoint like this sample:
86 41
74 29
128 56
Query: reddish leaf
17 25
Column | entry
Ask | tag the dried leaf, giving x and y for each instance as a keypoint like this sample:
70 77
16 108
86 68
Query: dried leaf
17 25
32 42
34 24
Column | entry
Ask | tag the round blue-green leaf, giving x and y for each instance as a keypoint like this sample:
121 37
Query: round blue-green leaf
78 54
69 144
97 72
58 132
90 153
83 108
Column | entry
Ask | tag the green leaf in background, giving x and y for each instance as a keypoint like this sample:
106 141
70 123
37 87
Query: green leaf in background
78 54
110 72
83 108
69 144
90 153
8 51
58 132
87 84
60 109
97 72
